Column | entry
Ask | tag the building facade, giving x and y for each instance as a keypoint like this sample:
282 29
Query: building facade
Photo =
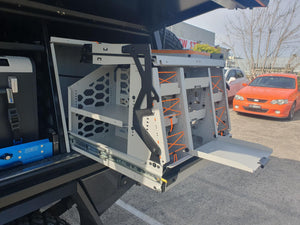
189 35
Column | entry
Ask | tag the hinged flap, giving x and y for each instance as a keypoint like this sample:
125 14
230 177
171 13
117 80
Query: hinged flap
235 153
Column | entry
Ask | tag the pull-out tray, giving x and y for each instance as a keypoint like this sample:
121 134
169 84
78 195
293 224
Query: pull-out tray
235 153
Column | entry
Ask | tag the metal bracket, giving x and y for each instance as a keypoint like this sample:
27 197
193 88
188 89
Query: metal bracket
148 91
263 161
88 213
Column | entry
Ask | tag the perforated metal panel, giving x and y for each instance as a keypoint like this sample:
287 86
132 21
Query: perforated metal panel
96 94
88 127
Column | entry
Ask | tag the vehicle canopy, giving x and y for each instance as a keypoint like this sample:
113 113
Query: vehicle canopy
131 14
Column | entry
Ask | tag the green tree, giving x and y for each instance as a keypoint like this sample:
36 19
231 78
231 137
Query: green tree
206 48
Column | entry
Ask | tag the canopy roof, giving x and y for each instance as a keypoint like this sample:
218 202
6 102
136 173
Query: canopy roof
140 15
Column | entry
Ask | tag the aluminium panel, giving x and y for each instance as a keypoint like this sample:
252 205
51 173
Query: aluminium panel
113 114
197 114
169 89
235 153
195 82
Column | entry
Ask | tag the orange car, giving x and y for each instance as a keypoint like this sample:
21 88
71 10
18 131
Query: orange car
274 95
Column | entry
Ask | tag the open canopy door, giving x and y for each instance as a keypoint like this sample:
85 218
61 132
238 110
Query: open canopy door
235 153
131 14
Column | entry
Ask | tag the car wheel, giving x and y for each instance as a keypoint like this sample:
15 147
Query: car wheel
292 112
169 40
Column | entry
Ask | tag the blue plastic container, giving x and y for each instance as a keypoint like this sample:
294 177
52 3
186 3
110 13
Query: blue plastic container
25 153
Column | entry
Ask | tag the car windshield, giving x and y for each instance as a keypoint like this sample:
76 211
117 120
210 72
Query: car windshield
274 82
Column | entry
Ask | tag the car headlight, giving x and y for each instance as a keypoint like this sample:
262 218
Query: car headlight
280 101
238 97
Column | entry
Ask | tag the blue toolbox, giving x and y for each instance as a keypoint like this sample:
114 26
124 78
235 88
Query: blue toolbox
25 153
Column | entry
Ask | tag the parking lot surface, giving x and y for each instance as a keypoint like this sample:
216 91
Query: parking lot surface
219 194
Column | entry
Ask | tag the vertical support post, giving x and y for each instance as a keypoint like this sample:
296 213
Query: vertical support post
87 212
212 103
58 116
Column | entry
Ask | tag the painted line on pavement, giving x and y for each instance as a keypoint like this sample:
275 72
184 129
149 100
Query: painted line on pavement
138 213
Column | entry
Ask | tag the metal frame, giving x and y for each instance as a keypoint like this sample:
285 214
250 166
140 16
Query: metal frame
178 115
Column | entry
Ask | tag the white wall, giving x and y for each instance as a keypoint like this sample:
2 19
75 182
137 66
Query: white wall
193 33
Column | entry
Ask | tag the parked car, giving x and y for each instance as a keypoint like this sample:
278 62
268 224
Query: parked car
235 78
274 95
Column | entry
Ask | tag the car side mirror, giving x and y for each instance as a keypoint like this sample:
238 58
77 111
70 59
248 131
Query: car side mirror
244 84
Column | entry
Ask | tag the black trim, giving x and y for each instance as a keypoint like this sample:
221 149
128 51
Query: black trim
57 173
21 47
58 116
32 204
171 174
86 54
50 13
70 76
3 62
255 110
